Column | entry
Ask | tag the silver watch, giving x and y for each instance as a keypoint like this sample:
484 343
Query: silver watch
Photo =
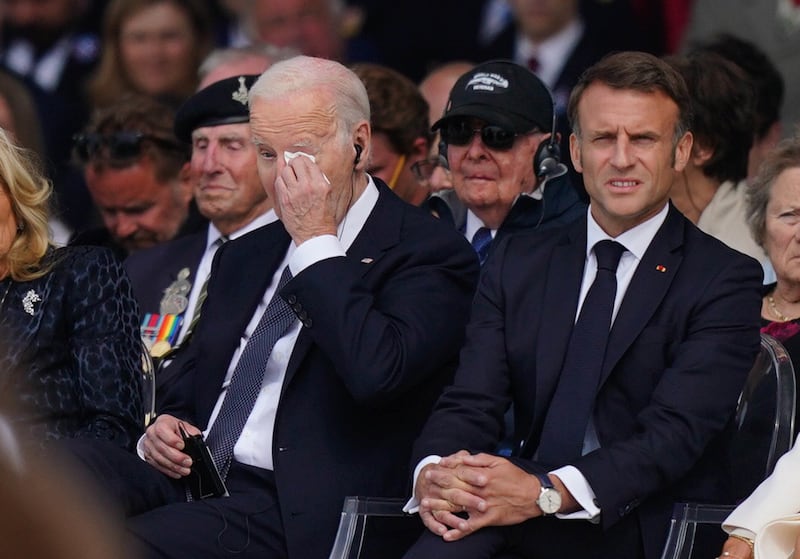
549 499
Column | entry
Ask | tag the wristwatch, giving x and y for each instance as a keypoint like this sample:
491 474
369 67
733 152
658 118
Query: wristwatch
549 499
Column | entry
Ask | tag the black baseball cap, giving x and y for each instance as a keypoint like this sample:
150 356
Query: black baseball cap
502 93
222 102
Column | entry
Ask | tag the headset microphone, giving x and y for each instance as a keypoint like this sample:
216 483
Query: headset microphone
547 161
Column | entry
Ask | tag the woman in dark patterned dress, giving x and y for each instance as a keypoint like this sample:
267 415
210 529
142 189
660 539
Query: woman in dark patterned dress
69 343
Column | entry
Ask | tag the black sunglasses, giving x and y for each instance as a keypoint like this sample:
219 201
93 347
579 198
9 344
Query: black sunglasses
122 145
459 132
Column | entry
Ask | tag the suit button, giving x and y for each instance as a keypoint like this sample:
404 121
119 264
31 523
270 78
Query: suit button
291 299
307 322
302 315
297 307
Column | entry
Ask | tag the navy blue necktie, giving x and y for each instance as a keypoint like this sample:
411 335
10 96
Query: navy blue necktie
247 378
480 242
573 401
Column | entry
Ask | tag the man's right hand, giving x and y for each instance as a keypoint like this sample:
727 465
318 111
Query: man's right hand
443 490
163 446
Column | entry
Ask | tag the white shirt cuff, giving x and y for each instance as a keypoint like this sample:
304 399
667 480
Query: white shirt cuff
412 506
580 489
314 250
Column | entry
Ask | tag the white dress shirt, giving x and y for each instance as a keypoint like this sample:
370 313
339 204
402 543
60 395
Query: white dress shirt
472 225
636 241
204 268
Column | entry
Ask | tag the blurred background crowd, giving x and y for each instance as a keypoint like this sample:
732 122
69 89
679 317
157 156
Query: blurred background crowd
61 61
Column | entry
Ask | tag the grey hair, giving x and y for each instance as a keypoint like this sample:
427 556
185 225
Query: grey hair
786 155
219 57
306 73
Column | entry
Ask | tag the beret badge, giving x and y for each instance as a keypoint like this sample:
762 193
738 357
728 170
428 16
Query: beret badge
240 94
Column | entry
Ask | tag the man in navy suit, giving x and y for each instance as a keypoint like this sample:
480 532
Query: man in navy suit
684 318
168 278
380 291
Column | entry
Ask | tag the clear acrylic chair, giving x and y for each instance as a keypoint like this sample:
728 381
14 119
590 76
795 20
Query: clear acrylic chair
148 385
366 526
764 431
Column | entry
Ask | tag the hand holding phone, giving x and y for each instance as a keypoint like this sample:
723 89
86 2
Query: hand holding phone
204 481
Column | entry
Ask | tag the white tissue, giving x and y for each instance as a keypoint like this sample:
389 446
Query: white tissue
289 155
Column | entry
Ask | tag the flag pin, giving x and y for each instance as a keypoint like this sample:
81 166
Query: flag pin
661 268
366 260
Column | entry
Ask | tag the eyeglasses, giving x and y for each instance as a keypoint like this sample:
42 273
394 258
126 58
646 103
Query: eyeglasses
458 132
423 170
117 146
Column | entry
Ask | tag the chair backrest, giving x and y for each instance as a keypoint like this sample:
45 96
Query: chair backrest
764 418
694 531
764 431
148 385
374 528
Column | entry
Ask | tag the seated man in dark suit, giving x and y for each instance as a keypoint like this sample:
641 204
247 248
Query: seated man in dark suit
364 299
623 341
499 135
168 278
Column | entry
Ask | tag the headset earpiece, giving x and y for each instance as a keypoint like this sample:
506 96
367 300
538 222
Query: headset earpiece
359 149
443 149
547 158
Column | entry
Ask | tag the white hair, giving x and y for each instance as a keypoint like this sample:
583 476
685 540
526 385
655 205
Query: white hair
306 73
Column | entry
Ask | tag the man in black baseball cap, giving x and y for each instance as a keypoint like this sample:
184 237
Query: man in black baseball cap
168 279
498 130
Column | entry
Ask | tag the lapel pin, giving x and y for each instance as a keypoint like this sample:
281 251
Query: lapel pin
661 268
367 260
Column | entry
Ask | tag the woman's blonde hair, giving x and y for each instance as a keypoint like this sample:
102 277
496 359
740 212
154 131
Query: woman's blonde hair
29 191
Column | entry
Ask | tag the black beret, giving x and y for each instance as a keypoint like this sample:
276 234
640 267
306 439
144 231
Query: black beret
222 102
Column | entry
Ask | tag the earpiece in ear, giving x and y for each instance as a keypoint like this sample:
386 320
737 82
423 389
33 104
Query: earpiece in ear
359 149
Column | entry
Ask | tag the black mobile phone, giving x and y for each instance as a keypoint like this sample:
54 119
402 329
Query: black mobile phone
204 481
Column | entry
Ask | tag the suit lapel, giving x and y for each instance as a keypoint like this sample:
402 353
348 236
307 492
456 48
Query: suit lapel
561 301
563 284
380 232
647 289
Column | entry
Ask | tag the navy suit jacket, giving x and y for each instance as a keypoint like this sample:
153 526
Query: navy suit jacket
684 338
382 330
70 350
152 270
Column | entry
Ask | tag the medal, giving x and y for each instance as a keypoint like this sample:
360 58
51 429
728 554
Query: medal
160 332
175 298
160 348
173 304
